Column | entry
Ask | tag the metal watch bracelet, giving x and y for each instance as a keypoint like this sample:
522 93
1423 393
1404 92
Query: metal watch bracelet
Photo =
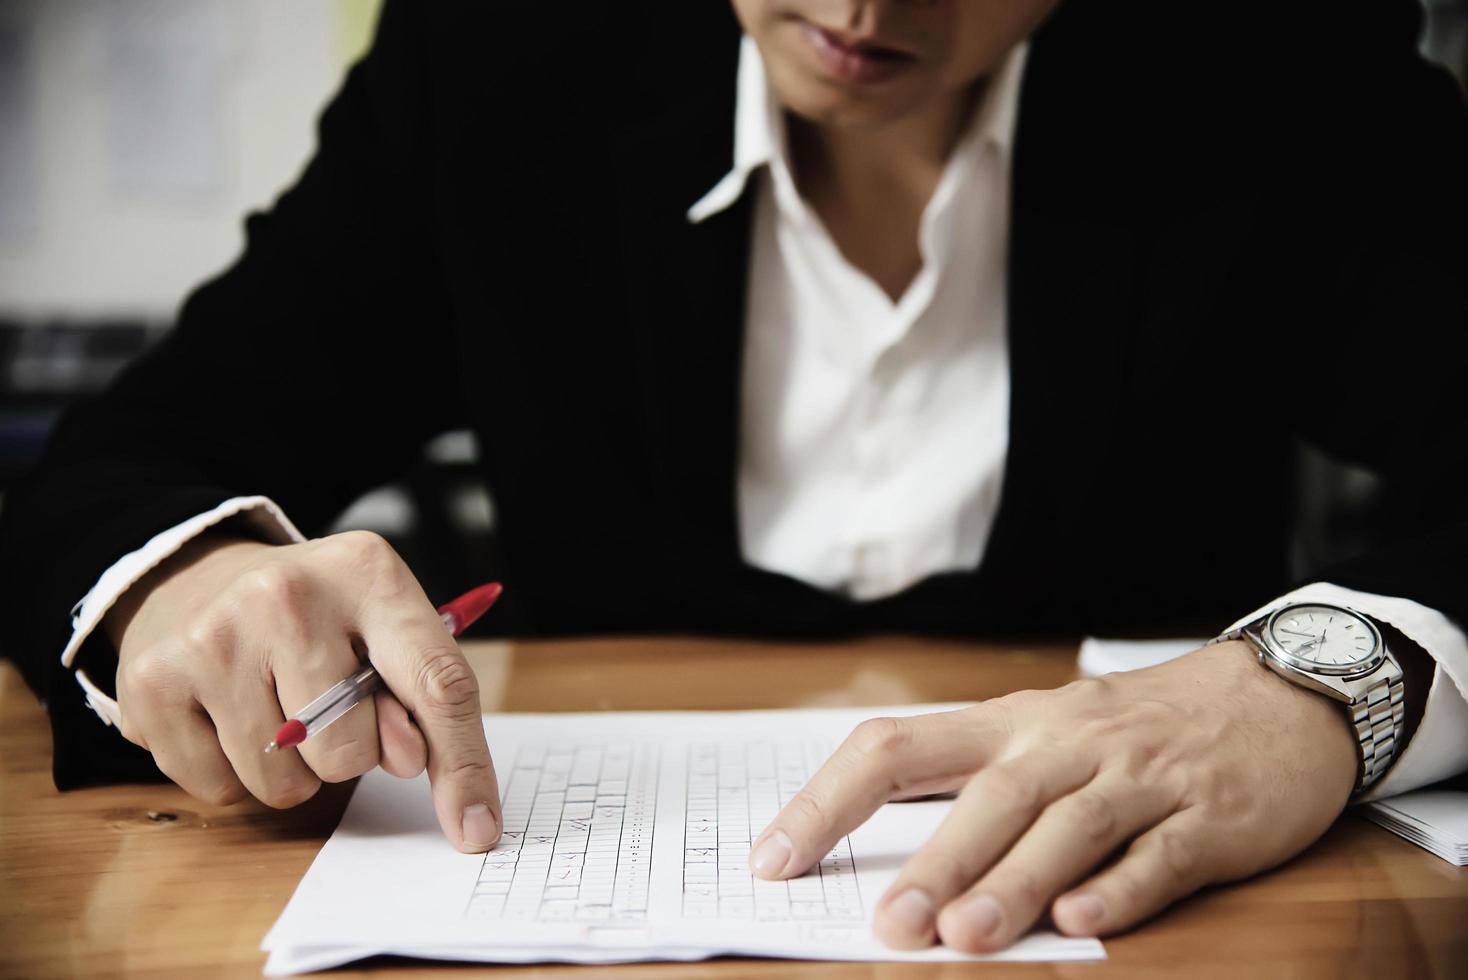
1376 717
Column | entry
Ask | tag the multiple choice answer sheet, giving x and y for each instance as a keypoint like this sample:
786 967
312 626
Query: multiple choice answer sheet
626 837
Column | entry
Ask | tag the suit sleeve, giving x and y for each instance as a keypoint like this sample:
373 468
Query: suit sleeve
1378 214
1375 373
308 372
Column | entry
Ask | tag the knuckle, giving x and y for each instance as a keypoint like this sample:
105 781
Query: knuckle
468 770
1024 890
1088 690
347 761
130 731
213 787
220 792
208 634
881 737
1093 814
447 683
290 791
1126 893
366 549
1177 857
148 676
809 810
278 584
1010 787
278 594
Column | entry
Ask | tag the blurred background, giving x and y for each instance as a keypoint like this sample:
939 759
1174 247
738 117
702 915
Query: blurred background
134 137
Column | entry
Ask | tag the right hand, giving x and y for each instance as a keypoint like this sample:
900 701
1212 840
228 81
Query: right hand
223 640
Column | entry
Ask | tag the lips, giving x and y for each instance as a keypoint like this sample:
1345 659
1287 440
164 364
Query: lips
858 60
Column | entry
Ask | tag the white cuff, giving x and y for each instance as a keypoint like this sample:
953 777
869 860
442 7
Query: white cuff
1439 748
269 520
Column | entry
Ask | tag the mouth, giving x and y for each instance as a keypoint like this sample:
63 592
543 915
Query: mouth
848 58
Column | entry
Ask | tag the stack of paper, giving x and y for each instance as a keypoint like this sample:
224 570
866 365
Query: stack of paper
626 837
1100 656
1436 820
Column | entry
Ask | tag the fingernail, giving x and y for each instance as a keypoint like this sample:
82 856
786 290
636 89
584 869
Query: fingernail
1084 911
982 914
912 912
479 827
770 858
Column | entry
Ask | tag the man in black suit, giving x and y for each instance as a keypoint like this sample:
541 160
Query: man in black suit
962 316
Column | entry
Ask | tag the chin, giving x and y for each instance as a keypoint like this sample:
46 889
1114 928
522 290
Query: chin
826 105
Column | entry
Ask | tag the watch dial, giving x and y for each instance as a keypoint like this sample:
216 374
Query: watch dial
1324 635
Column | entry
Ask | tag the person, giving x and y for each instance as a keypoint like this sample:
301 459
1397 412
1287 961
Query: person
813 317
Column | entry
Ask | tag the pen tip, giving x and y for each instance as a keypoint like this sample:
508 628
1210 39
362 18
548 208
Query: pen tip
272 746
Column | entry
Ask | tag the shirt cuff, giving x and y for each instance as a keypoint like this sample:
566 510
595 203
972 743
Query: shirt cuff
264 514
1439 749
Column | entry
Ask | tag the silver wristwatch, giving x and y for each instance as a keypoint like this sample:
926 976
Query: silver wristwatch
1337 652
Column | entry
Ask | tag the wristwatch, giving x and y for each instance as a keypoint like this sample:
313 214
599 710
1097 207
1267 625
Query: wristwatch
1340 653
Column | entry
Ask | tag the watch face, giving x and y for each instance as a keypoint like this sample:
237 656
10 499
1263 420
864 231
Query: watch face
1326 638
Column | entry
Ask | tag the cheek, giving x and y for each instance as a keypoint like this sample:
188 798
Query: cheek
754 15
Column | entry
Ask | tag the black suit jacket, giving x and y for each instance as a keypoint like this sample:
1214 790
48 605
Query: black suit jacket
1227 233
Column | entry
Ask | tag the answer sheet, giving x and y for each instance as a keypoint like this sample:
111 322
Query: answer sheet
626 837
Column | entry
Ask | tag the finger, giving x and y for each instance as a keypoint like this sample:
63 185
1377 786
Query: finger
160 714
1071 837
992 811
246 715
427 672
1169 862
186 749
347 747
881 759
404 753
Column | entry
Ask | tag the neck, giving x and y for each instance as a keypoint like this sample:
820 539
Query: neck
905 157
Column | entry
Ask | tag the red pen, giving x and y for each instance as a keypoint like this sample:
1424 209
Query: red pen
344 696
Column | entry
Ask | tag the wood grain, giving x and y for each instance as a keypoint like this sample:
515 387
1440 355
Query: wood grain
144 881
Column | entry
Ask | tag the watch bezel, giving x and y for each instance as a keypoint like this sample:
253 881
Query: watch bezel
1378 652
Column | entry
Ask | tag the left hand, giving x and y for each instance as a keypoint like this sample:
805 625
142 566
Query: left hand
1100 802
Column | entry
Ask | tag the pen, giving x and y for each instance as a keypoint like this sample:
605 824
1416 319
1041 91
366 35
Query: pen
344 696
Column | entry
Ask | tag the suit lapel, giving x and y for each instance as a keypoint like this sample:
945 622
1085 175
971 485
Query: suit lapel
686 286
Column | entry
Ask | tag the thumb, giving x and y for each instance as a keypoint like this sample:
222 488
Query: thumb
424 668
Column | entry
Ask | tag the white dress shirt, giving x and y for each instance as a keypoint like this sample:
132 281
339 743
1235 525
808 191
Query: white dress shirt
873 433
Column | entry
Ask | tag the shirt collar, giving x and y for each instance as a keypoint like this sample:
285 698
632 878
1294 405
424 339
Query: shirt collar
759 123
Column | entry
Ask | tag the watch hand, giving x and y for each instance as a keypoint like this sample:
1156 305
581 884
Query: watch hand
1296 632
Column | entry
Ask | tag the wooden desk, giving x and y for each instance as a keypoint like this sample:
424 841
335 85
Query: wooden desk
146 881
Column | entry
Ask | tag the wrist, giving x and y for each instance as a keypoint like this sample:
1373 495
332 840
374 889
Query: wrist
1331 741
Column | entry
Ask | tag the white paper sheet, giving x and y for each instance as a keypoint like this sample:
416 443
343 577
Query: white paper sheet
626 838
1433 819
1100 656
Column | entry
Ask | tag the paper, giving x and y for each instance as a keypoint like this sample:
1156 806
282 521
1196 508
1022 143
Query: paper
1433 819
627 837
1099 656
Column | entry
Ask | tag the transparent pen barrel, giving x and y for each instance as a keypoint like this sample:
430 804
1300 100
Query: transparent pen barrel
339 699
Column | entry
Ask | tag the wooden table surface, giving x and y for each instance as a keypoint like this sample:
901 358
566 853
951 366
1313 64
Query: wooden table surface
144 881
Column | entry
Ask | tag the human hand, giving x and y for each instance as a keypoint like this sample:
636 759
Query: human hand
227 637
1100 802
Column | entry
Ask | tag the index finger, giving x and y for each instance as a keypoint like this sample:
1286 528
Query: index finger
425 669
881 759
